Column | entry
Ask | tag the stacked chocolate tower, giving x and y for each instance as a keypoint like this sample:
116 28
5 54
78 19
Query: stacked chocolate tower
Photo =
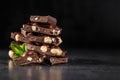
38 42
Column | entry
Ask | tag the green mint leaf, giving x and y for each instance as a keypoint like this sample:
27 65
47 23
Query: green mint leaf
23 46
17 49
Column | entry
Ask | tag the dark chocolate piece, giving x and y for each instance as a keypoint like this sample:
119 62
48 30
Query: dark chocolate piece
38 29
37 39
43 19
18 37
46 50
55 60
28 58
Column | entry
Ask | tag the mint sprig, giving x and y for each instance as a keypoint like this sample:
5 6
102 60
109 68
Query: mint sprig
18 49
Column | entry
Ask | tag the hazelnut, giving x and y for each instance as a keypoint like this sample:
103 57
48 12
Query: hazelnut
43 48
47 40
56 51
29 59
17 37
53 39
23 26
36 18
11 53
40 60
56 32
59 52
59 40
34 28
32 48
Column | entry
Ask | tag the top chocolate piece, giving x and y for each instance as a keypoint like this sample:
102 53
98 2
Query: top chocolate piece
43 19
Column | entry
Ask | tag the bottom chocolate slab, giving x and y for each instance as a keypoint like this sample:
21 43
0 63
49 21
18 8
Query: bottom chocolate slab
28 58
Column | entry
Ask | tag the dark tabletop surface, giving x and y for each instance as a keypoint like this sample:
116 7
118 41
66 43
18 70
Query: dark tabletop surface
84 64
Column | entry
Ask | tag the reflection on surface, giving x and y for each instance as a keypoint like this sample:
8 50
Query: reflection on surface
10 65
34 72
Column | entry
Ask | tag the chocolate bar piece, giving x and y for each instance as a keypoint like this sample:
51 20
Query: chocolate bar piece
43 39
39 39
28 58
18 37
46 50
43 19
55 60
38 29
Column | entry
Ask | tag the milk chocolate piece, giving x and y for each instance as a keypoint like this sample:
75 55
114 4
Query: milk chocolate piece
38 29
46 50
18 37
28 57
55 40
43 19
55 60
39 39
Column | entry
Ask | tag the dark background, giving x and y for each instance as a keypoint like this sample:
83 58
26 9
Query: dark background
85 23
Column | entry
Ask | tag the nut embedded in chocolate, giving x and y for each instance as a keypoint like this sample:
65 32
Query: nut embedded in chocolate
29 57
59 40
50 51
11 53
39 29
43 48
43 19
28 38
17 37
56 51
34 28
47 39
41 60
55 32
36 18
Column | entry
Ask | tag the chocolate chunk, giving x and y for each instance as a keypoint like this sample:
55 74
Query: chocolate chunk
43 19
55 60
33 33
46 50
18 37
38 29
28 58
37 39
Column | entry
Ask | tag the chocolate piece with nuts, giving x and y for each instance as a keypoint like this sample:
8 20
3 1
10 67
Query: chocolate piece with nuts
39 39
46 50
38 29
55 40
28 58
43 19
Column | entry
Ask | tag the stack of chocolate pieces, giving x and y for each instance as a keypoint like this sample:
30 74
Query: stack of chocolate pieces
38 42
